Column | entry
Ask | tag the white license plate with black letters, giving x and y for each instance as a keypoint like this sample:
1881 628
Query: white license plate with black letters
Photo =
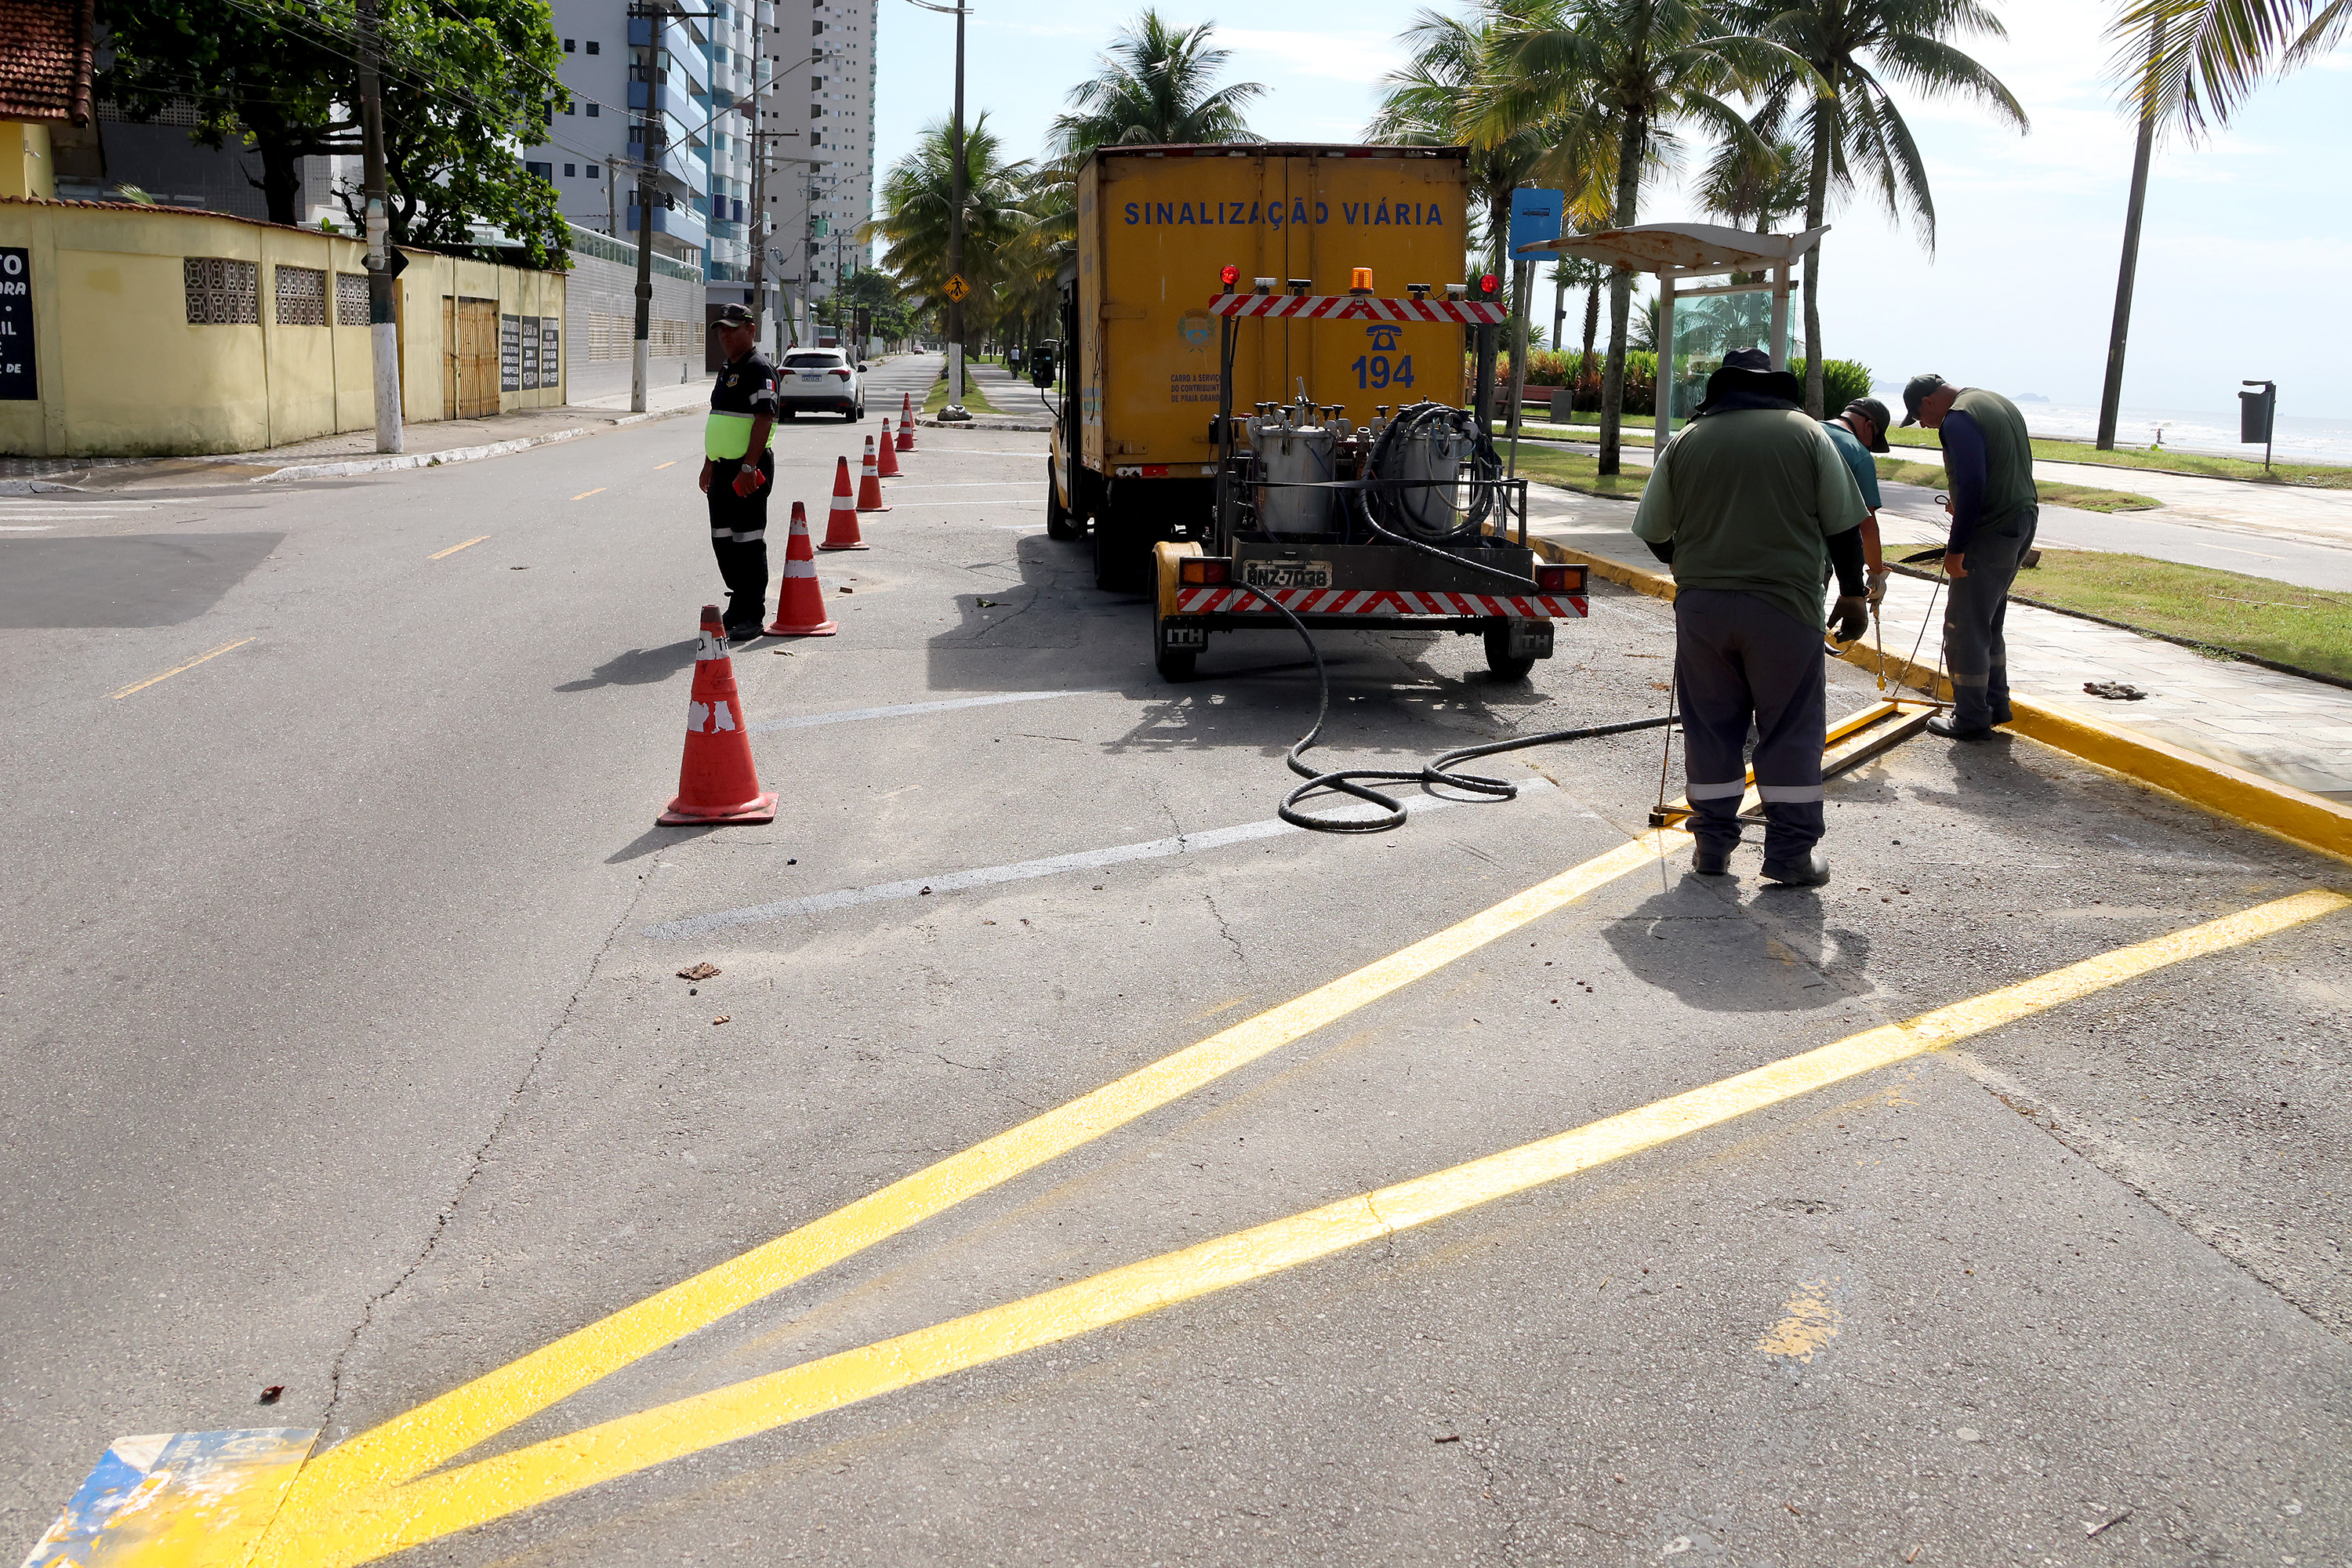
1286 574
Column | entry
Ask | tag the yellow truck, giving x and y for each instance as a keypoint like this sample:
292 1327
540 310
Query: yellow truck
1262 419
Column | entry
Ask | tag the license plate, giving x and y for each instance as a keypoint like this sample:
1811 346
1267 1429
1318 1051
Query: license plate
1286 574
1530 639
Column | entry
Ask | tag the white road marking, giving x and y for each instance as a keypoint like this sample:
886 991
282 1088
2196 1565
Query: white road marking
26 527
1001 501
851 715
1023 870
967 485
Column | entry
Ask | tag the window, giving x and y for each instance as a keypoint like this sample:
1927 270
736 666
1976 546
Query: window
351 299
816 26
595 48
544 171
567 47
302 295
569 106
572 170
593 172
592 110
222 292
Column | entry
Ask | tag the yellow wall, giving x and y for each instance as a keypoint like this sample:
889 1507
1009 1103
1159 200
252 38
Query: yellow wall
123 373
24 168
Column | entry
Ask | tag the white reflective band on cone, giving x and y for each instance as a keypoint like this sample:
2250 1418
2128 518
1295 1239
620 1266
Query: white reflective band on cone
794 567
710 648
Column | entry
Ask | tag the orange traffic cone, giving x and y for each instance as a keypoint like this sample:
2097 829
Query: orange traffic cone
869 483
800 602
716 781
840 523
906 422
886 455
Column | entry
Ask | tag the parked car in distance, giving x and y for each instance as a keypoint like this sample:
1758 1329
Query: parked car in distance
821 381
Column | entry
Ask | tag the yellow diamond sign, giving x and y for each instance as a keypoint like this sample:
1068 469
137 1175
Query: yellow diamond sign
958 288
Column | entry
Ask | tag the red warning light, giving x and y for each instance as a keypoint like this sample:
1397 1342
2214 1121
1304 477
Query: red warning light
1229 275
1489 283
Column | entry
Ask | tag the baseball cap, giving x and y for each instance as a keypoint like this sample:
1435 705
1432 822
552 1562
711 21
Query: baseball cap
1870 408
736 316
1915 392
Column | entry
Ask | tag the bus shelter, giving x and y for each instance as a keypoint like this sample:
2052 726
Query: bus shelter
1749 311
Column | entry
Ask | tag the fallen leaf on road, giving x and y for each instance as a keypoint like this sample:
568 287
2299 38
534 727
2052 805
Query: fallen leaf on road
269 1396
2114 690
1450 1437
1913 1555
722 1017
699 972
985 604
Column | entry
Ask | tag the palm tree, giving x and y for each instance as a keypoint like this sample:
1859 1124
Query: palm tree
1154 90
917 200
1639 67
2193 64
1853 52
1743 183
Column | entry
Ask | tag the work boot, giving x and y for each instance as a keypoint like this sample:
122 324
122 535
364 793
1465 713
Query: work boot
1710 861
1943 724
1810 872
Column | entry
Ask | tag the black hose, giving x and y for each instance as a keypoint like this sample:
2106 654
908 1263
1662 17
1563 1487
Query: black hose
1345 780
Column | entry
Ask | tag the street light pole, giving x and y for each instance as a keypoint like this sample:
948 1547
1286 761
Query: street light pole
954 412
384 332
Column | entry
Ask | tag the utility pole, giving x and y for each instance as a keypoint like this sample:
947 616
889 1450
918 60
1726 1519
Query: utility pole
383 332
649 176
955 411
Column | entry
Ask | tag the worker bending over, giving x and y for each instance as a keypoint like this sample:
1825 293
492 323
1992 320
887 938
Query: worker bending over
1746 504
1856 434
1989 466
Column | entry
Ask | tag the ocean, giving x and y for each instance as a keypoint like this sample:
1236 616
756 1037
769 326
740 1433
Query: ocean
2183 430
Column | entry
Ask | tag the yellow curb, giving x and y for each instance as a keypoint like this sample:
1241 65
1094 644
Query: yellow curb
2311 821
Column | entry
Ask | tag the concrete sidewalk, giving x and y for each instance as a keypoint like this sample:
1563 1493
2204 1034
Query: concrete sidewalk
353 452
2290 731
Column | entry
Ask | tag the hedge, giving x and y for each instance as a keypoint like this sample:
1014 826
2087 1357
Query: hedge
1843 380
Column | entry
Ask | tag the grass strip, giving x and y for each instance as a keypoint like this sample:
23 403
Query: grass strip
1578 472
2306 628
974 399
2312 476
2085 498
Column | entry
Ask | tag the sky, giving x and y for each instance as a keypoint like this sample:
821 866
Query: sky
2248 234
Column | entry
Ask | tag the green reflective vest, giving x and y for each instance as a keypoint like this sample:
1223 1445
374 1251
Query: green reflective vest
726 435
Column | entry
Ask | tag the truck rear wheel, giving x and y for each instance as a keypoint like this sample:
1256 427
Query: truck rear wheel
1501 660
1061 523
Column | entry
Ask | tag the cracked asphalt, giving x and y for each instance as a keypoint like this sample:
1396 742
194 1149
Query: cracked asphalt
346 1050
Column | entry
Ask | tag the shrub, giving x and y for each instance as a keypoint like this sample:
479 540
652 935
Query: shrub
1842 380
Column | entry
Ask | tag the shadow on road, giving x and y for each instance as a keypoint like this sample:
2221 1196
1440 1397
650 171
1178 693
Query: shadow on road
638 667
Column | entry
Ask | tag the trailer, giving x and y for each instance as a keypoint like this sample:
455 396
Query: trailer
1256 436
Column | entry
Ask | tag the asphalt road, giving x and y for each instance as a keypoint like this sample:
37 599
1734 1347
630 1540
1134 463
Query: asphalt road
346 1051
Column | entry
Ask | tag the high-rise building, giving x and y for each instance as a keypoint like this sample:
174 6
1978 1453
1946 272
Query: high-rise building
717 84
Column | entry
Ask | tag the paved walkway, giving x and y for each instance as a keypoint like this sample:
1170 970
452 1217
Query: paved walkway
2295 731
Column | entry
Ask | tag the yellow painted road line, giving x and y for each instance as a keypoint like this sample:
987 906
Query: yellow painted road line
336 1532
583 495
455 548
441 1429
177 669
657 469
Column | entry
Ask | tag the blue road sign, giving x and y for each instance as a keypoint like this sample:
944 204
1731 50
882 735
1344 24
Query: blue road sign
1535 215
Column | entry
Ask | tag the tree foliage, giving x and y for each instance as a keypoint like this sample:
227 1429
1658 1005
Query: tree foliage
918 202
1155 89
2209 56
467 84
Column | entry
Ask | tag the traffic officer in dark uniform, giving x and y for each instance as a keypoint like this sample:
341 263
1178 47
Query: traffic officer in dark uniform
738 470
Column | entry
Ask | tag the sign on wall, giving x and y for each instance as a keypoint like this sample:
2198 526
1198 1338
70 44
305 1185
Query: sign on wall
16 379
550 351
529 337
510 353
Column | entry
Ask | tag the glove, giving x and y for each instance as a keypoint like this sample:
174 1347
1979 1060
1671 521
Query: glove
1851 612
1877 589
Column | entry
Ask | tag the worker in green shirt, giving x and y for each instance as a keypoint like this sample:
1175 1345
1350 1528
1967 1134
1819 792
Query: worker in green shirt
1856 434
1988 473
1746 504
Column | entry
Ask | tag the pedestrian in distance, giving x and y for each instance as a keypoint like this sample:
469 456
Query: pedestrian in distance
739 469
1746 504
1858 432
1988 473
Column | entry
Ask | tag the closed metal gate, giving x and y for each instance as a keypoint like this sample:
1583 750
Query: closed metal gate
469 381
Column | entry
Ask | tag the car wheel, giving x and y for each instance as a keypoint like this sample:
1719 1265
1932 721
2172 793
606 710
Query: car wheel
1060 522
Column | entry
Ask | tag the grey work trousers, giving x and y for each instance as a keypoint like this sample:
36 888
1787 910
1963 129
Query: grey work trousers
1739 659
1976 610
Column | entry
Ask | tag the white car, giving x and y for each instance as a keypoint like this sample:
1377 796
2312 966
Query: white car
821 381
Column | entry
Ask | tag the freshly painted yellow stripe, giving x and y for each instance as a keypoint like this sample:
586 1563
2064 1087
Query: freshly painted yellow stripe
177 669
671 464
583 495
455 548
358 1529
441 1429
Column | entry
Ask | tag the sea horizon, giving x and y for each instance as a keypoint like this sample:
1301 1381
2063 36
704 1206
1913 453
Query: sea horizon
2206 432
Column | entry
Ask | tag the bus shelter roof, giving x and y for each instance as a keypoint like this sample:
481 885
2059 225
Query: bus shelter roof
1681 249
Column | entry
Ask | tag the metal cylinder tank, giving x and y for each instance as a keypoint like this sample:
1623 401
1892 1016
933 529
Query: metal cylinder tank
1290 455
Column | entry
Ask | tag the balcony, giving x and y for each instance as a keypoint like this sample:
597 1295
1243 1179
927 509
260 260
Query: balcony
681 223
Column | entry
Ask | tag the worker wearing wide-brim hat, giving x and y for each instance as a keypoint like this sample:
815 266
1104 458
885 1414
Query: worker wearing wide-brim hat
1989 468
1747 504
738 470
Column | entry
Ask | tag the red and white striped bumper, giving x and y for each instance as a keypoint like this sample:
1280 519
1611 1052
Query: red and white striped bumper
1223 598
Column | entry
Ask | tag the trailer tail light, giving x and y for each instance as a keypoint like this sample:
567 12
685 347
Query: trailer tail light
1229 275
1359 280
1488 285
1559 579
1199 571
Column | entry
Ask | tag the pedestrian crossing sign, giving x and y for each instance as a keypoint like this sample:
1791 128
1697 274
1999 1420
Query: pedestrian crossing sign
958 288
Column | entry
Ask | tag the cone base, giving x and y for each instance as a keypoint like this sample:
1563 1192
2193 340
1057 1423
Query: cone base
751 813
821 629
865 511
861 544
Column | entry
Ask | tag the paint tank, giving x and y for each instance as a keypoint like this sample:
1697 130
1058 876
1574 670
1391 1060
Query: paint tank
1290 456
